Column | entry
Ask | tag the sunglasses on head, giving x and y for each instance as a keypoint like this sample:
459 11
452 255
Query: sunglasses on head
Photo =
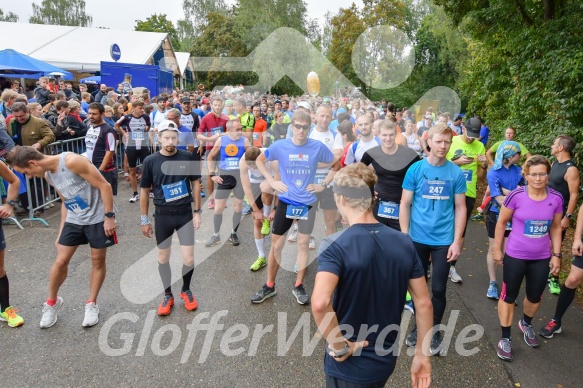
302 127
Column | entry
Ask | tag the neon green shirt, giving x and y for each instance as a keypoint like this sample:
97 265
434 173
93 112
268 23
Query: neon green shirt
471 150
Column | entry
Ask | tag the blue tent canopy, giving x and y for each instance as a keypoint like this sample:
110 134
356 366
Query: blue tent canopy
13 63
96 79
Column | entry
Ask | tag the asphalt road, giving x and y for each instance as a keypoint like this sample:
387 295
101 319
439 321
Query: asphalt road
228 341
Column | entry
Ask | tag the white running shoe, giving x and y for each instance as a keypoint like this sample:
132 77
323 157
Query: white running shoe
293 236
135 198
49 317
91 315
312 243
454 276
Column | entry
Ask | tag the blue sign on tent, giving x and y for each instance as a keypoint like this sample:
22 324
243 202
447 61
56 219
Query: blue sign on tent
115 52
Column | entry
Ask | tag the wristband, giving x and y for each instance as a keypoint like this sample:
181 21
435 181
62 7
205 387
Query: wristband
144 220
559 255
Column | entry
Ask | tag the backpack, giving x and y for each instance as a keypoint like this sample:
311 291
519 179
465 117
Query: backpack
355 144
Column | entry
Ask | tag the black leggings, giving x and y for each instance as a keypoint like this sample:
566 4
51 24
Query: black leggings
535 272
440 271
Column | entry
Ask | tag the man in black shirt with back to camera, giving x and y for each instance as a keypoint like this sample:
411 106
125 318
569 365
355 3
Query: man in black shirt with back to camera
175 179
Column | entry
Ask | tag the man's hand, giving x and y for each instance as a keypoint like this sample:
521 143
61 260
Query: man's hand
271 215
38 146
353 348
109 226
278 186
555 265
565 223
314 188
196 221
6 211
420 371
147 230
257 215
498 257
217 179
577 247
454 251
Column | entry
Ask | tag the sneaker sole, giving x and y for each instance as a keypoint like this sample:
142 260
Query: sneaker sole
410 344
300 303
96 322
455 281
559 331
434 352
255 270
234 244
504 358
265 298
212 245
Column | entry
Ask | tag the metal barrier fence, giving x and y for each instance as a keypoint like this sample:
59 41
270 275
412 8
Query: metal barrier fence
41 195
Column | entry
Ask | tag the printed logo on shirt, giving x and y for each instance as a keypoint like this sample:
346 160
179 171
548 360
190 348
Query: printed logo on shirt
299 183
299 158
231 150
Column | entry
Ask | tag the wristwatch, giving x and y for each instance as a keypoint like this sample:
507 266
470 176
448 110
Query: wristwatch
197 211
324 185
110 214
559 255
569 216
12 203
341 352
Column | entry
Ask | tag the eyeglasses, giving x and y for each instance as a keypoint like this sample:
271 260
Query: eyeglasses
539 175
302 127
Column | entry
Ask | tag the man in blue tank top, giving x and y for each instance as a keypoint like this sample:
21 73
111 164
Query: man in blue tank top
230 148
87 217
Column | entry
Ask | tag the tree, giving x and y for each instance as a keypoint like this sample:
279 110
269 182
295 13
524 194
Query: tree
61 12
160 23
196 12
9 17
186 35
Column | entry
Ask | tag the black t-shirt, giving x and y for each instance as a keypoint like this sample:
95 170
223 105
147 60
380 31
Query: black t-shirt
374 264
170 177
279 131
557 180
390 169
130 124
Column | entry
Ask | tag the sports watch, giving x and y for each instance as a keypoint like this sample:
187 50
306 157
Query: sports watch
110 214
12 203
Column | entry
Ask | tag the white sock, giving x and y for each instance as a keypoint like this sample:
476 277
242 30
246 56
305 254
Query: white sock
260 244
266 210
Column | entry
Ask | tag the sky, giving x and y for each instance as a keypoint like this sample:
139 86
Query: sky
122 14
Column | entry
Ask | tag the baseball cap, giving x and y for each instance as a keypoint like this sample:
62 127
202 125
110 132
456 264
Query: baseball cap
206 100
163 99
277 102
305 105
473 126
185 99
229 103
429 117
167 125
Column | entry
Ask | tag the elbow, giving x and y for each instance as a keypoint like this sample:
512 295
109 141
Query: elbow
320 304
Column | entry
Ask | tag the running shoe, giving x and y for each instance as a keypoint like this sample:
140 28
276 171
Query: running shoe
409 304
258 264
312 243
301 296
211 204
190 302
151 194
264 293
234 239
266 227
135 198
493 291
411 339
9 315
166 306
529 336
247 209
435 347
91 315
550 329
214 240
504 349
554 285
295 268
202 194
293 235
477 217
454 276
49 317
429 271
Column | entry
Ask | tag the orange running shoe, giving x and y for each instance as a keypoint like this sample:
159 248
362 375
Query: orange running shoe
166 306
189 302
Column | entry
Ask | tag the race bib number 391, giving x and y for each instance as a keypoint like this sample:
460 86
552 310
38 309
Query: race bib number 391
436 189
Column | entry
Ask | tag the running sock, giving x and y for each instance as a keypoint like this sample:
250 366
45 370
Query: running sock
260 244
186 277
452 264
527 320
506 331
270 284
298 284
51 302
266 211
89 301
565 299
4 293
217 220
135 193
166 276
236 221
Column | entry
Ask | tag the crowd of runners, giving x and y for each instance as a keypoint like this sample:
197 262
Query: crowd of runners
396 190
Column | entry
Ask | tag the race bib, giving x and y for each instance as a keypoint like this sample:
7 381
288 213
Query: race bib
319 178
175 191
77 205
509 225
468 174
138 136
232 164
297 212
388 210
216 131
255 136
536 229
440 190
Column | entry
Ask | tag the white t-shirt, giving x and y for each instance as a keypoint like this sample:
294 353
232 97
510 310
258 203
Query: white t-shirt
330 141
361 148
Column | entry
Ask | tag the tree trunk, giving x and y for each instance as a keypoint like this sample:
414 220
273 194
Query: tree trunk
549 9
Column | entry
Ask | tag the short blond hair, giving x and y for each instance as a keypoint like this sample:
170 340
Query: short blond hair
74 105
439 129
359 177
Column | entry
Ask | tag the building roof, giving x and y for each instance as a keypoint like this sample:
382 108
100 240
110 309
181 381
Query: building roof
83 48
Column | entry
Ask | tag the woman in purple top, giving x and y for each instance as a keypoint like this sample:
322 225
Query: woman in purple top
535 211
